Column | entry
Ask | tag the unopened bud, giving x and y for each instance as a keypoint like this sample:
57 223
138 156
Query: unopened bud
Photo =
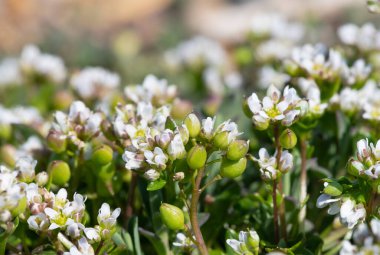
5 131
221 140
237 149
288 139
172 216
212 105
333 188
60 172
260 123
193 125
102 155
233 168
56 141
355 167
7 155
107 129
253 240
62 100
197 156
179 176
181 108
42 179
152 175
163 139
184 132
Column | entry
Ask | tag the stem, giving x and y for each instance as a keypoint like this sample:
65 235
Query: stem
303 179
3 244
280 189
194 213
275 211
99 247
131 197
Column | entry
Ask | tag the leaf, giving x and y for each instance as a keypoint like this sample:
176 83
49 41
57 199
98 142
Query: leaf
134 229
158 244
156 185
170 124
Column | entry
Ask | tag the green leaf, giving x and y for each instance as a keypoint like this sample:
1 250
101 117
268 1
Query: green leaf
158 244
156 185
134 229
170 124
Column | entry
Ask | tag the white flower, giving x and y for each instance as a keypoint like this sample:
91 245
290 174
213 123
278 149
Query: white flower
208 127
183 241
231 128
152 175
94 82
366 38
9 72
92 234
348 248
333 203
248 241
106 218
26 166
132 161
32 60
176 148
352 213
358 73
38 222
73 229
83 248
268 165
286 161
364 150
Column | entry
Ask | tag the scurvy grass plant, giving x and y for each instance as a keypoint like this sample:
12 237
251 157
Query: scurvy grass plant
88 167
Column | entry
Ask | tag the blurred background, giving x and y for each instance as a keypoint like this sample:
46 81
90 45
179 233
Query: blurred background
130 37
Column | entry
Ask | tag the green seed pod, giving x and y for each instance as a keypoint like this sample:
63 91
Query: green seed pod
56 142
60 172
237 149
288 139
333 189
172 216
197 156
102 155
233 168
5 131
193 124
221 140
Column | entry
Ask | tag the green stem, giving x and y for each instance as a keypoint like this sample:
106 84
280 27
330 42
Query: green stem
303 179
275 211
280 188
3 244
194 213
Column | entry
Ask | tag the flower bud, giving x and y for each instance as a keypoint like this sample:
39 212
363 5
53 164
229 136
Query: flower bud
233 168
62 100
102 155
253 240
172 216
288 139
152 175
179 176
56 141
212 105
237 149
7 155
163 139
193 124
60 172
197 156
5 131
42 179
107 129
221 140
355 167
181 108
333 188
247 111
184 132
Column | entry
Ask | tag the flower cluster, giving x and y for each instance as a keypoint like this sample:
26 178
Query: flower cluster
274 108
77 127
269 168
366 38
94 82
